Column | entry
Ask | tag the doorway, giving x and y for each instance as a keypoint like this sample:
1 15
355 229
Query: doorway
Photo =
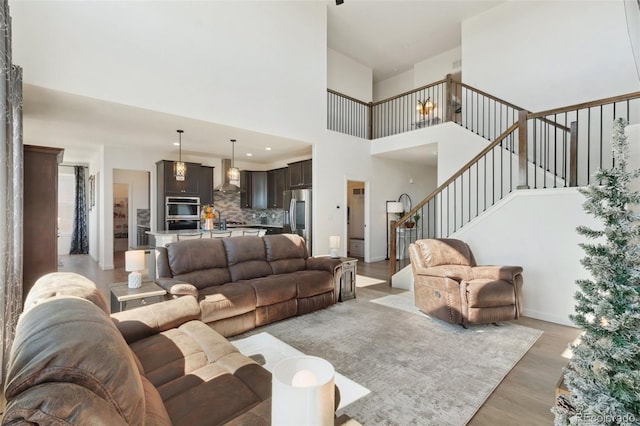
355 218
131 211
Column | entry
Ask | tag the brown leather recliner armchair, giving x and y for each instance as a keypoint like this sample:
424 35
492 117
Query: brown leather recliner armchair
450 286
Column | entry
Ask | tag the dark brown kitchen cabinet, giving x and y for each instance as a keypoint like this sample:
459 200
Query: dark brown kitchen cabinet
206 185
40 230
253 190
189 186
276 181
245 189
300 174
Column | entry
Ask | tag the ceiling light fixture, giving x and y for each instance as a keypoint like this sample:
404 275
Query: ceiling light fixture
233 174
179 167
424 108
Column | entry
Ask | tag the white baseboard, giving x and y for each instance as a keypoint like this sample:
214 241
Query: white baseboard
545 316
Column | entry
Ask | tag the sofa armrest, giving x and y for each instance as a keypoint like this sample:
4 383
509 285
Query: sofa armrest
146 321
494 272
323 264
455 272
176 287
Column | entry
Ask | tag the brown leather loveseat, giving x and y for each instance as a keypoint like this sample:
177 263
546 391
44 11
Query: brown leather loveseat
245 282
72 363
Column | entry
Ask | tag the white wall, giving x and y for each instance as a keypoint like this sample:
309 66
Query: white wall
349 77
536 229
549 54
393 86
437 67
272 53
339 158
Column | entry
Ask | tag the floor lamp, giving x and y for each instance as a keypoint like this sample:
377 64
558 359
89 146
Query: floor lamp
392 207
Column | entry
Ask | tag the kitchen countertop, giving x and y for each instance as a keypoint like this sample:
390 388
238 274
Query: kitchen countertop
215 231
254 225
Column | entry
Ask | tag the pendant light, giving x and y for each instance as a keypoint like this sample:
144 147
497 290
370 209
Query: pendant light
233 174
179 167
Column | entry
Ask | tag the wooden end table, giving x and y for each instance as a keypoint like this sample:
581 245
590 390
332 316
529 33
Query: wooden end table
123 297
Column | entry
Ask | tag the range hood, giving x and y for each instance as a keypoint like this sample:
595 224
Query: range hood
227 186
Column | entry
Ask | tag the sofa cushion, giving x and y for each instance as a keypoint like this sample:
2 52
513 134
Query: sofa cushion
202 262
246 257
67 339
312 283
148 320
65 284
180 351
214 394
273 289
225 301
285 252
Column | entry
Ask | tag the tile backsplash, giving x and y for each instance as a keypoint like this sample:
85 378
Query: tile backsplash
143 216
228 204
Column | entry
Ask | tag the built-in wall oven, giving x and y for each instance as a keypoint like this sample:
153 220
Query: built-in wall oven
182 213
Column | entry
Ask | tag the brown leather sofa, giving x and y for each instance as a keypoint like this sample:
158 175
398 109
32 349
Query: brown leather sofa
244 282
450 286
72 363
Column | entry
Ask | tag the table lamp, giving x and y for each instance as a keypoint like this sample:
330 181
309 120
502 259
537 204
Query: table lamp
303 392
134 263
334 245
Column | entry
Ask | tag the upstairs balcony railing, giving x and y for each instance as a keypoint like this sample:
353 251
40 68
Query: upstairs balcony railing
442 101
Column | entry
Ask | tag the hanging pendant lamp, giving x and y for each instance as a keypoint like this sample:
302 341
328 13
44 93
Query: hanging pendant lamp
179 167
233 174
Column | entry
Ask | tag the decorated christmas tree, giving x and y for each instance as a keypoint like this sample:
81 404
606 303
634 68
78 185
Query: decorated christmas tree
604 374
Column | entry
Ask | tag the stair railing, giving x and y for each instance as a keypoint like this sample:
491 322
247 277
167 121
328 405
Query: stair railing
479 184
562 147
568 153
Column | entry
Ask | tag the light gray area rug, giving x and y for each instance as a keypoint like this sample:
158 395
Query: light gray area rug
420 371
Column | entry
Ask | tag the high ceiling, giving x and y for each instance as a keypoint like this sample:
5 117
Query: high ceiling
390 36
386 36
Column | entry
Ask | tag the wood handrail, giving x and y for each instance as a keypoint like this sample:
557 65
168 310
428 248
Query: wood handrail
444 80
599 102
459 173
466 86
348 97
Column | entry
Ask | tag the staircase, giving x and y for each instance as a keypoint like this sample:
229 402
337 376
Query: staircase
559 148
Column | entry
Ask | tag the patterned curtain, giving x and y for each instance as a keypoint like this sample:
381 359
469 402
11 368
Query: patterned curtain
11 190
79 237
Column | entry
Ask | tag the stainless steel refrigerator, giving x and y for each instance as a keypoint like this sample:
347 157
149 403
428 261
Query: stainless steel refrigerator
297 214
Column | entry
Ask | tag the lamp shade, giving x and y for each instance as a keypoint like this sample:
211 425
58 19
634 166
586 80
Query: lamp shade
334 245
395 207
303 392
134 260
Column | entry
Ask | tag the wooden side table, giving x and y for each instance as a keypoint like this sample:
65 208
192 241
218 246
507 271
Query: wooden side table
348 278
123 297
